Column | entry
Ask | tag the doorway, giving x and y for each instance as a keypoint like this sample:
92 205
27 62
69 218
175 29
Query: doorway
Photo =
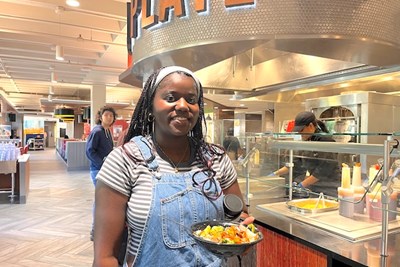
49 137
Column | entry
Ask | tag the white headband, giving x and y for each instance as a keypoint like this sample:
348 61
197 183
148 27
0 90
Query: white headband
171 69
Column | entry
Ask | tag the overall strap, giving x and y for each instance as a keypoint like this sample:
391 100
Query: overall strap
146 150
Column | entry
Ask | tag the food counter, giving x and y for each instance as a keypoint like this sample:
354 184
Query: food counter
22 180
73 152
289 242
324 239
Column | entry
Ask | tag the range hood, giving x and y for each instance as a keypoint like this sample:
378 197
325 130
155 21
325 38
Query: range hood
278 46
265 72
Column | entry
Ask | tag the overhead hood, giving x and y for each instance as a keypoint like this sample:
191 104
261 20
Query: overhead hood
276 47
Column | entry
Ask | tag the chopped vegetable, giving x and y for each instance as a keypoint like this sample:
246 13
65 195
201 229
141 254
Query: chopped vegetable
232 234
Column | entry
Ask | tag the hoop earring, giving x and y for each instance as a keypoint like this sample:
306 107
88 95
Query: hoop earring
150 118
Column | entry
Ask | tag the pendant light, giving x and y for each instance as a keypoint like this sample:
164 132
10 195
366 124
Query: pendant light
59 52
53 77
65 114
59 48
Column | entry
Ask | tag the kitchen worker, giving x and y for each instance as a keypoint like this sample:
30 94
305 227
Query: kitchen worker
320 169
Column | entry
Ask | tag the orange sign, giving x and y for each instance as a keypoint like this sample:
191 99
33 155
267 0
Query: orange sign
145 7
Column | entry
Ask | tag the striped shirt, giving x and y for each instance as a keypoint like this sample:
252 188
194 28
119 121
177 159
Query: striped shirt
134 180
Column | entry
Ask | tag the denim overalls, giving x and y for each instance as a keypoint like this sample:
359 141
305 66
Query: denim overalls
175 206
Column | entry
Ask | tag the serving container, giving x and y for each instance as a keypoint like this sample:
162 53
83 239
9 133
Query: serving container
309 205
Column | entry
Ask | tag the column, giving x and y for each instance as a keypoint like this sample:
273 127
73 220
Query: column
240 124
3 118
97 101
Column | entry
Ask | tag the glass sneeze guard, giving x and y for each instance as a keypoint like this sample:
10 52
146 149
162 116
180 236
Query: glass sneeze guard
365 183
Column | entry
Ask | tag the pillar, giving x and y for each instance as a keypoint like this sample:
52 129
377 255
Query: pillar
3 118
97 101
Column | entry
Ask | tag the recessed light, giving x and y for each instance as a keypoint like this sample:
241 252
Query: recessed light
73 3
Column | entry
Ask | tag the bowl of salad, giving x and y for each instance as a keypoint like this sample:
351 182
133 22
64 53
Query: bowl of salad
224 238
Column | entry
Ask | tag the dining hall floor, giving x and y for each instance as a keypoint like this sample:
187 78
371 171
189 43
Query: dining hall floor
52 228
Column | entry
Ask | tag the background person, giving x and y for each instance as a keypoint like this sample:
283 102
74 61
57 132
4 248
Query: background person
100 142
154 181
232 145
322 167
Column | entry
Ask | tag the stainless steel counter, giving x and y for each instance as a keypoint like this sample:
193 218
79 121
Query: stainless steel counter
355 229
362 253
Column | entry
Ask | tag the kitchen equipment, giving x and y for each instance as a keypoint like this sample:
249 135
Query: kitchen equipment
312 205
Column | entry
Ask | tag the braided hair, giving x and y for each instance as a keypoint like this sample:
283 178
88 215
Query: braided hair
142 124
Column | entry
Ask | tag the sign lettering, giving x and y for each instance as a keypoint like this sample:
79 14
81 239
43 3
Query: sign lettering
148 19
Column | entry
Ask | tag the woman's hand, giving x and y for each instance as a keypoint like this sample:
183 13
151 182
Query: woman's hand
246 219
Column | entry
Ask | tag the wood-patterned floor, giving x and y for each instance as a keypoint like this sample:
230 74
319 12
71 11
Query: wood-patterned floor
52 228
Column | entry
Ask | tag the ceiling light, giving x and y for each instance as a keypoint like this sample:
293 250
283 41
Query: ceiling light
53 77
59 52
51 90
73 3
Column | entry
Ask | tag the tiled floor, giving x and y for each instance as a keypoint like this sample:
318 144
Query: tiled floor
52 228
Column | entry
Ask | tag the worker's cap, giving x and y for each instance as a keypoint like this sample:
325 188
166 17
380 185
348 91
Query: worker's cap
302 120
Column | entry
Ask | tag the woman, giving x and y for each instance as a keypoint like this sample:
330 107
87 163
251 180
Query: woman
163 179
99 143
320 169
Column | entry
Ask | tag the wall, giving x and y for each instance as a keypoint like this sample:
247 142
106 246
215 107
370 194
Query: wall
49 128
253 123
78 129
286 111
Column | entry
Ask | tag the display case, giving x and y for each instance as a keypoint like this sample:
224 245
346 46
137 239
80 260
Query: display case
35 141
363 179
37 144
72 151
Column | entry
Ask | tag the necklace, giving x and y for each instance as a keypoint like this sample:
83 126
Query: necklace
170 161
